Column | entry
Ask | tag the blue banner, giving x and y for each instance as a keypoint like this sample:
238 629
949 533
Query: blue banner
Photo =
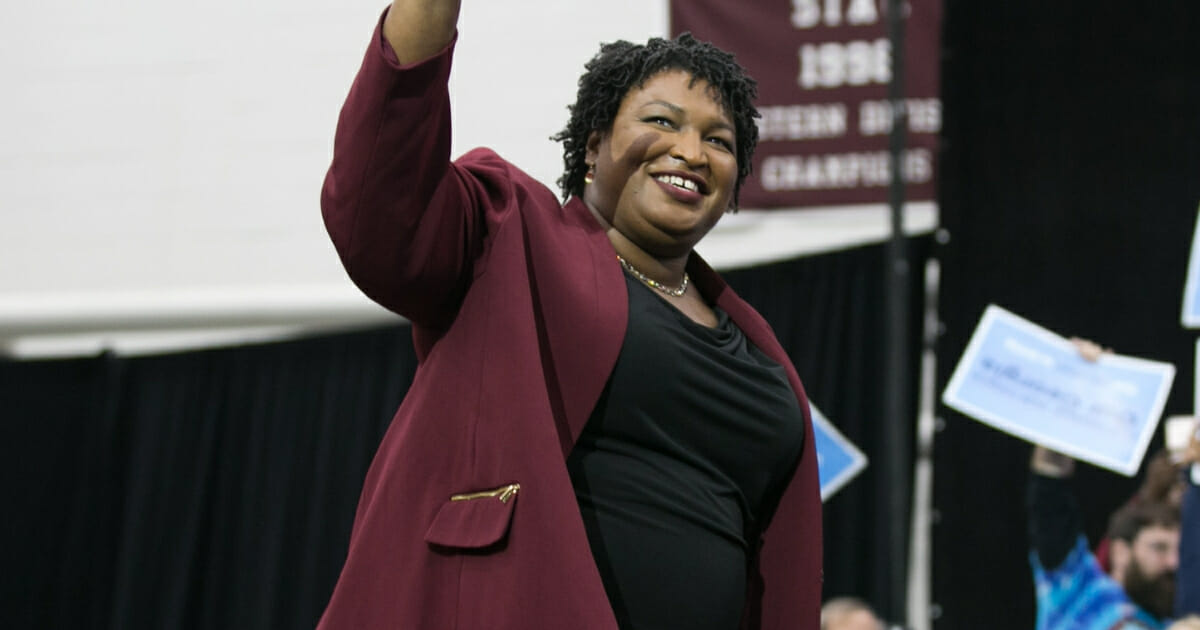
838 460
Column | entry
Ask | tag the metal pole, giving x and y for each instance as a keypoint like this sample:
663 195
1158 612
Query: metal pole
897 425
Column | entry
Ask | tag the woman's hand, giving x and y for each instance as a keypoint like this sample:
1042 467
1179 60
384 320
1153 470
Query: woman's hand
419 29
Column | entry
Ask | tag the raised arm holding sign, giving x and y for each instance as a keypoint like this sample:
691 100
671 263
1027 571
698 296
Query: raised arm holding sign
1067 395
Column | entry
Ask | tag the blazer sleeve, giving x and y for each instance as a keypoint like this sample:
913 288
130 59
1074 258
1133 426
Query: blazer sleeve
406 222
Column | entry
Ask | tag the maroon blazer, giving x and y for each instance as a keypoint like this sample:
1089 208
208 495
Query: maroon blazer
519 310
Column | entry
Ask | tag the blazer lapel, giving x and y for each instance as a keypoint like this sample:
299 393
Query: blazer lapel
583 309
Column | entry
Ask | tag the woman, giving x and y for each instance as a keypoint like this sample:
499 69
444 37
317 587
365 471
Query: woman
600 434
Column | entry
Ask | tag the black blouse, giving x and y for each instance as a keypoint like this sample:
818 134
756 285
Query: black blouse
681 465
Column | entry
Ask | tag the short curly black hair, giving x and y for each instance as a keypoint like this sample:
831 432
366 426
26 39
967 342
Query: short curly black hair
621 66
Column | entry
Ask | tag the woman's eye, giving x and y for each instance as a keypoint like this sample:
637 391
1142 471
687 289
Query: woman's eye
659 120
722 142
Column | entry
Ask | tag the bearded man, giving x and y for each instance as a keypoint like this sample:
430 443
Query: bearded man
1073 592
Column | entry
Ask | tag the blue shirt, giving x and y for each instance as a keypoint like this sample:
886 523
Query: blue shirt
1078 595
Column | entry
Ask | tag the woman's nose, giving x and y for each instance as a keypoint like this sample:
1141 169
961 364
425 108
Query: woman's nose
689 148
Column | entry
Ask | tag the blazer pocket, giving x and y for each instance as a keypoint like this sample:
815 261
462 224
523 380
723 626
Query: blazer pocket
474 520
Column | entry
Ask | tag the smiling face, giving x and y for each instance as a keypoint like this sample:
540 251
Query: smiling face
666 170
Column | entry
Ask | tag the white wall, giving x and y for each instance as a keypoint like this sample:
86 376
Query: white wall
161 161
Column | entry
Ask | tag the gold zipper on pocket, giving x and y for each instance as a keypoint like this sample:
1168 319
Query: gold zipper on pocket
504 493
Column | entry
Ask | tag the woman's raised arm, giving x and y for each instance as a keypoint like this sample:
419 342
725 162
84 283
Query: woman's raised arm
402 219
419 29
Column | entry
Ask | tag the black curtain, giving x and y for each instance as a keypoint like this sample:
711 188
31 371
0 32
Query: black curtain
1070 178
216 489
210 489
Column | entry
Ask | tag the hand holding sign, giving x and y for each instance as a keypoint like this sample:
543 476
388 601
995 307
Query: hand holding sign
1027 381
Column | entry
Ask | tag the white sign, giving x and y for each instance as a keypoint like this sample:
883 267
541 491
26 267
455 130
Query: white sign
1191 290
1027 381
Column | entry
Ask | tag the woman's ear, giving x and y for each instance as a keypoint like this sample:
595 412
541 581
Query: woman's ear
593 147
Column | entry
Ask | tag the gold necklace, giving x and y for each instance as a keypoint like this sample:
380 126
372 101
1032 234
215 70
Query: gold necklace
652 283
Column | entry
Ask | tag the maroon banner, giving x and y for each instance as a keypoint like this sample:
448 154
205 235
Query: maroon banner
823 69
